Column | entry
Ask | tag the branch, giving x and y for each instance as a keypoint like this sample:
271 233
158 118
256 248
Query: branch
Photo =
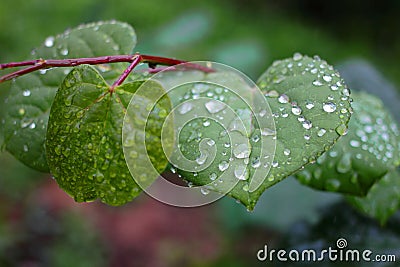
34 65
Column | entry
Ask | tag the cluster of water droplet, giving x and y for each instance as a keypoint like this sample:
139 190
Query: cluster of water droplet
311 107
359 159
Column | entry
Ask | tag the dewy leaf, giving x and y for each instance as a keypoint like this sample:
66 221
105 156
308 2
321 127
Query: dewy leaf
382 200
28 105
84 138
358 160
309 107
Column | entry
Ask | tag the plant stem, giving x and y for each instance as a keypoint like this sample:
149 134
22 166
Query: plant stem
38 64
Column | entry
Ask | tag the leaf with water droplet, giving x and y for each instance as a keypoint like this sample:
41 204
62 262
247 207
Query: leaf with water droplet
84 138
382 200
313 114
34 93
370 149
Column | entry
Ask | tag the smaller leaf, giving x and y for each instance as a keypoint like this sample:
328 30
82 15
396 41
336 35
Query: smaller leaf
382 200
28 104
84 138
358 160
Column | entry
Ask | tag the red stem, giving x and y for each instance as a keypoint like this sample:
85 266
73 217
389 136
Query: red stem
134 59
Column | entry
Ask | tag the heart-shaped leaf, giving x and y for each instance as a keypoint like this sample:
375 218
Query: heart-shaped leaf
28 105
84 138
309 107
358 160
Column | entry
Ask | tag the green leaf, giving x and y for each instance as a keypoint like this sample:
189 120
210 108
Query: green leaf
309 108
84 138
382 200
28 105
358 160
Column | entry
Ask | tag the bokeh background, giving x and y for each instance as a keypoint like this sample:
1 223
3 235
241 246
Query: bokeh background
41 226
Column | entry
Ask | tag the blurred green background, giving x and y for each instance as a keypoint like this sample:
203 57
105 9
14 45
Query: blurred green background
41 226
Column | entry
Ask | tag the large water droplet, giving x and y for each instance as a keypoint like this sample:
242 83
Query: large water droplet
214 106
283 99
317 83
309 105
296 110
185 108
307 124
329 107
297 56
26 93
213 176
204 191
341 129
321 132
49 42
256 162
64 52
202 158
344 165
267 132
354 143
241 172
286 152
327 78
241 151
223 166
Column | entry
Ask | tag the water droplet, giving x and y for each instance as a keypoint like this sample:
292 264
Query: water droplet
241 172
32 125
296 110
317 83
341 129
354 143
334 87
286 152
185 108
26 148
297 56
321 132
346 92
332 184
204 191
307 124
275 164
307 137
206 123
213 176
202 158
21 111
223 166
64 52
26 93
214 106
245 187
283 99
211 142
255 138
262 113
267 132
327 78
241 151
314 71
49 42
256 162
329 107
272 93
309 105
344 165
